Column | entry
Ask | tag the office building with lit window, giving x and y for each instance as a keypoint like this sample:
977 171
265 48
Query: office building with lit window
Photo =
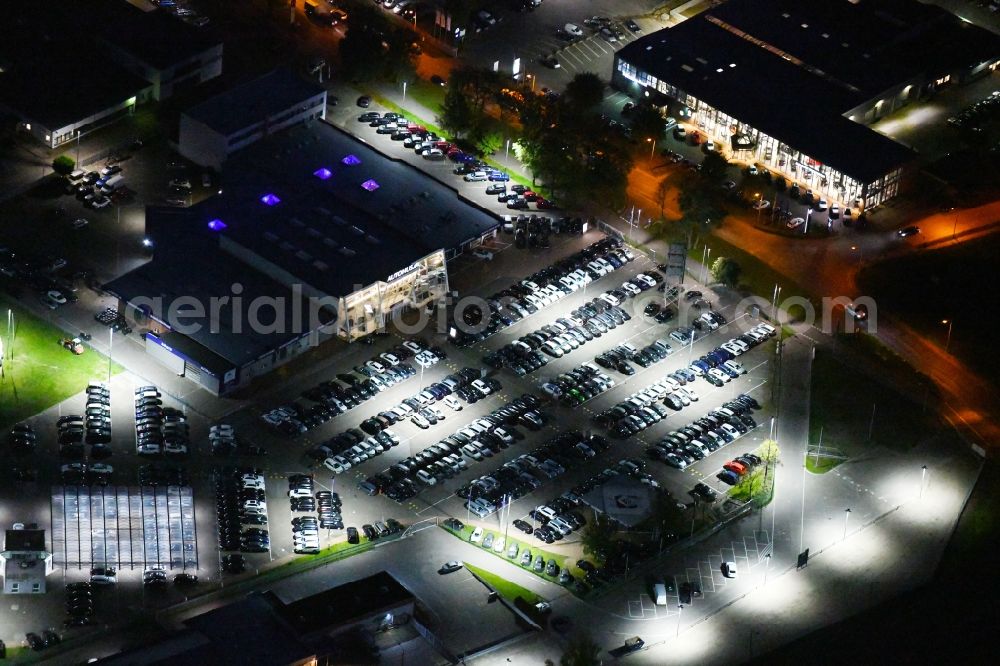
792 84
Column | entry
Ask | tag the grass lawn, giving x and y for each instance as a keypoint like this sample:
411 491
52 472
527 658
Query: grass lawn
561 560
825 464
507 589
757 277
42 372
426 122
953 283
841 405
426 98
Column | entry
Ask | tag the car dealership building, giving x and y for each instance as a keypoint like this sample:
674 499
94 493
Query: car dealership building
791 84
315 235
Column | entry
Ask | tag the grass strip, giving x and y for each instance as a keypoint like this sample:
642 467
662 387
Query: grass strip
37 371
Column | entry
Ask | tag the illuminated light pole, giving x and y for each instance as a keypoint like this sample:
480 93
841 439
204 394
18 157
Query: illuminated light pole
404 91
652 147
947 340
757 201
506 154
767 566
680 611
847 516
923 475
708 259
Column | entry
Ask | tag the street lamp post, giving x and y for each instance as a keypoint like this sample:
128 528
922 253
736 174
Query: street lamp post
767 566
652 147
506 154
847 515
404 91
947 340
757 201
708 260
111 335
923 475
680 611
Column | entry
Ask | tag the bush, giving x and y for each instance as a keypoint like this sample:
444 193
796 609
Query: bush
63 165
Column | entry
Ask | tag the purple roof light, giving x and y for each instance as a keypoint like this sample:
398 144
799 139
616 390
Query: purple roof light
270 199
322 173
370 185
351 160
217 225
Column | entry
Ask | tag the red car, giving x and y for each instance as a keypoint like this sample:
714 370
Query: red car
544 204
531 196
736 467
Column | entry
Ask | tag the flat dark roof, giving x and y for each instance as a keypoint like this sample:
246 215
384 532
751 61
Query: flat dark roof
333 233
24 540
340 605
254 101
65 85
871 45
155 37
195 267
788 102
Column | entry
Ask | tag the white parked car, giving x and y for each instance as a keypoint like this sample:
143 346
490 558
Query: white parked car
452 402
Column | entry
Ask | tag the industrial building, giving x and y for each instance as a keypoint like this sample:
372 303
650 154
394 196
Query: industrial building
224 124
27 561
791 84
69 68
336 625
315 236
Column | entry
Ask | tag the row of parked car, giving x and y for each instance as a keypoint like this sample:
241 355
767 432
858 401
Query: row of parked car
512 304
242 510
528 471
578 385
350 389
481 439
706 435
352 447
305 529
421 408
159 429
643 408
22 439
719 366
86 474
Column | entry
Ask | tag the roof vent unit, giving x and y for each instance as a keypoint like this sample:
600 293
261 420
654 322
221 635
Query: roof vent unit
320 266
304 256
372 240
347 252
329 242
338 220
321 211
357 231
286 246
313 232
270 237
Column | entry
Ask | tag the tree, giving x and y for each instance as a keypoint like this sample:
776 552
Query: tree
371 48
581 651
63 165
456 114
727 271
713 168
598 537
585 91
664 514
647 122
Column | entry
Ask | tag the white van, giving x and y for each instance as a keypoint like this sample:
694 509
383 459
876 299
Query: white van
112 184
660 593
76 176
